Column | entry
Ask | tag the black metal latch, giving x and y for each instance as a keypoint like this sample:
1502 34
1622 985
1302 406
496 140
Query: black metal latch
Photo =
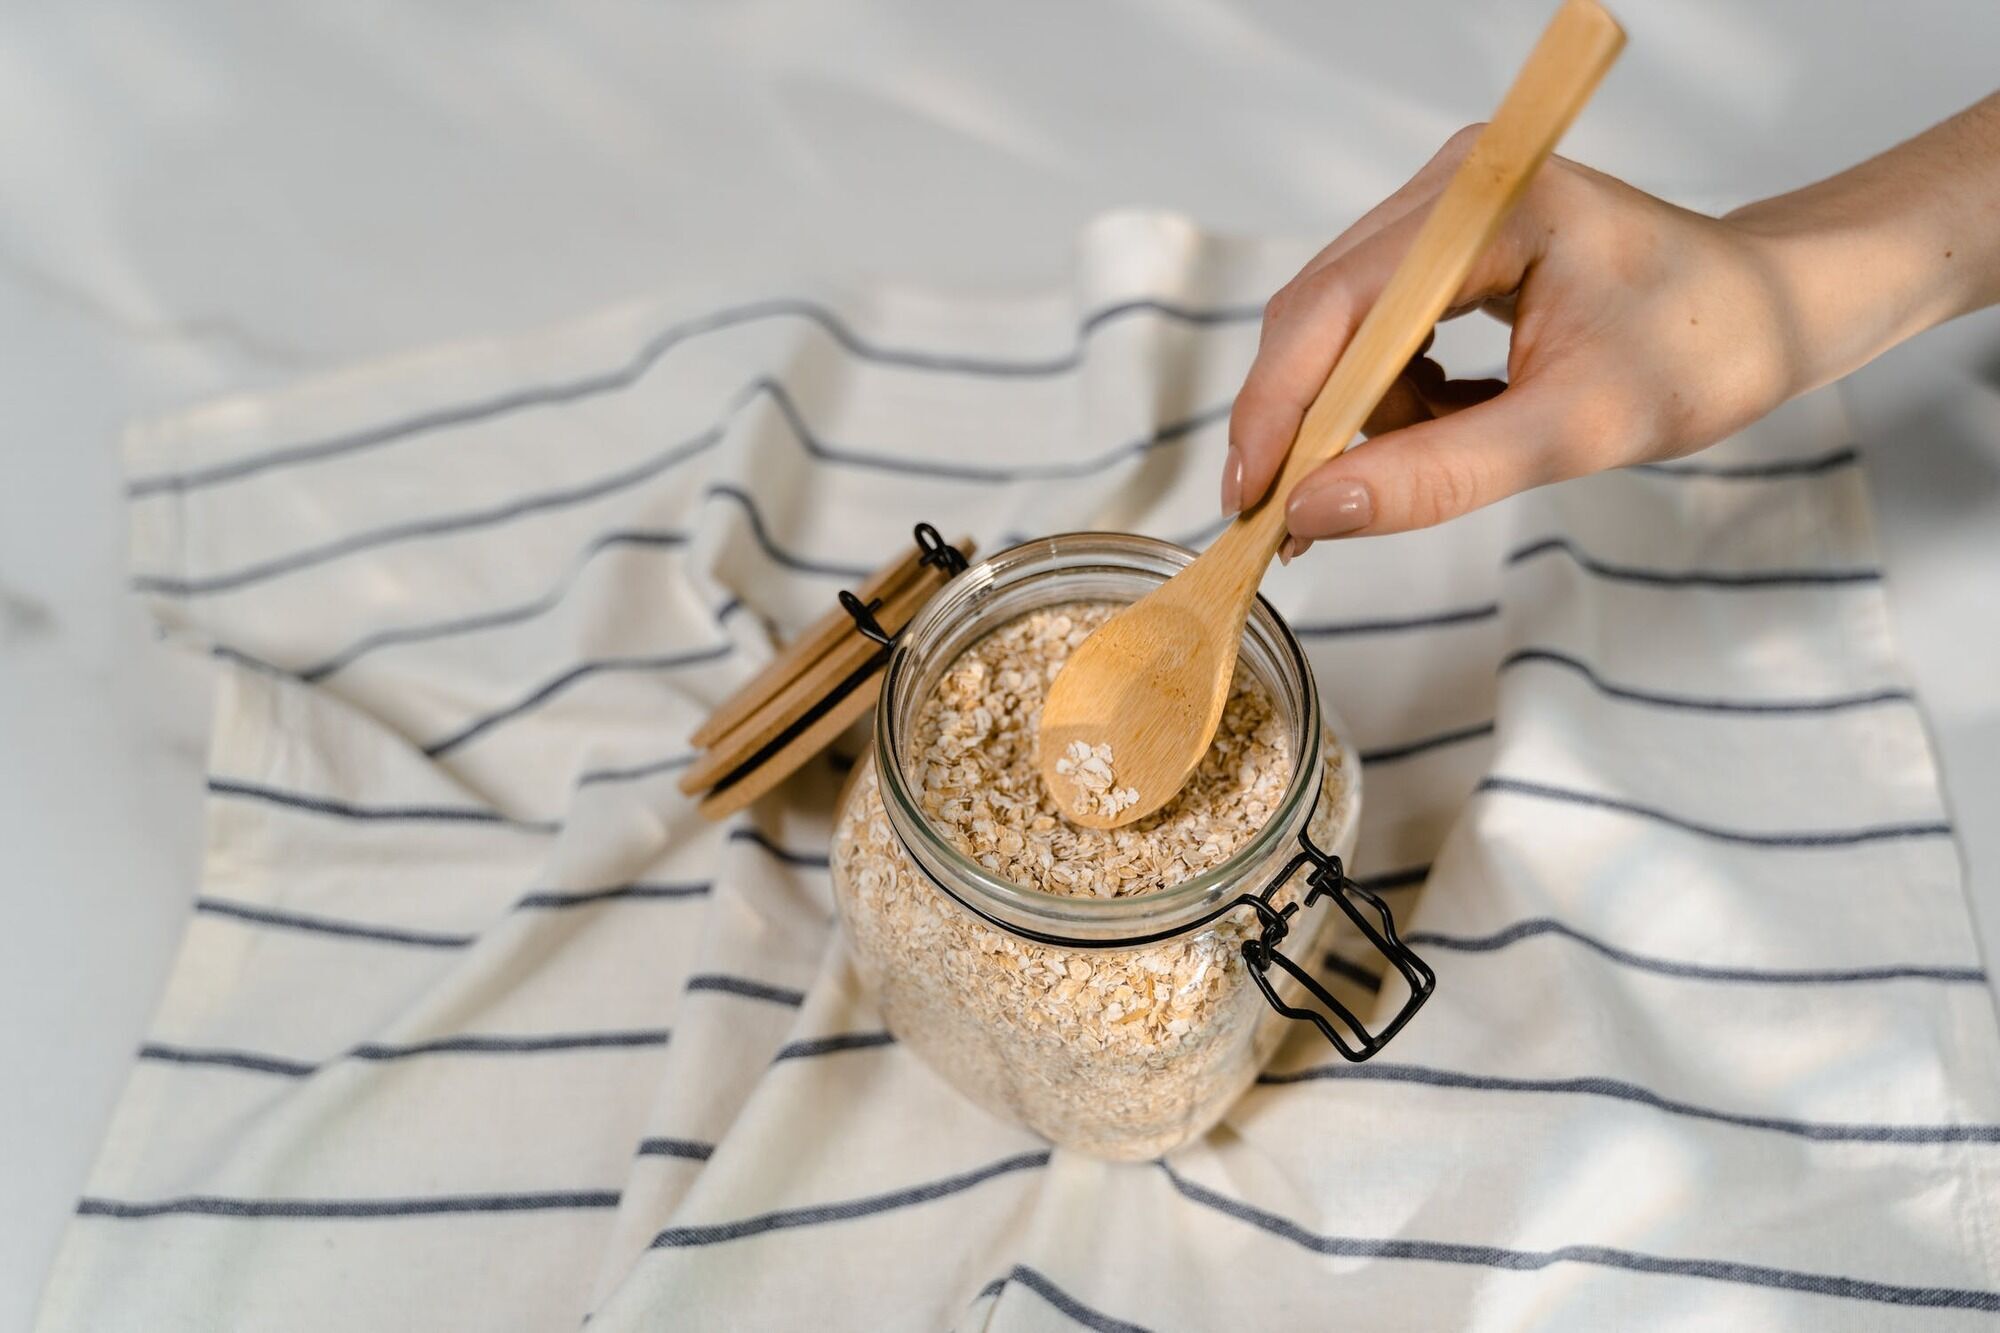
938 553
1329 880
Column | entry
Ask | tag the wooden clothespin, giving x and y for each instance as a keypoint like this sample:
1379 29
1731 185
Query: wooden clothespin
813 690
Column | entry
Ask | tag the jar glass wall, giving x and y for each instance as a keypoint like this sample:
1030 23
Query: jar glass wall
1122 1050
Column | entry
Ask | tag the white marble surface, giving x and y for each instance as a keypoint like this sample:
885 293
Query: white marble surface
216 197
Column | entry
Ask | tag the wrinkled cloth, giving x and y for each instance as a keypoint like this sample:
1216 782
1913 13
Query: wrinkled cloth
476 1025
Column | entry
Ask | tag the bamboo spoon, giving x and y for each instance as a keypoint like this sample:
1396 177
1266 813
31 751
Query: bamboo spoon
1152 681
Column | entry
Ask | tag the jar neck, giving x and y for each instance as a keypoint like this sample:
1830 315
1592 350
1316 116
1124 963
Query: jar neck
1082 567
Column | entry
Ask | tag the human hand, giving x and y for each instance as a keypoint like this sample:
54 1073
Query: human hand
1641 331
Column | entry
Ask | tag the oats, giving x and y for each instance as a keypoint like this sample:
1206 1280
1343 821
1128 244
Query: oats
1124 1053
977 734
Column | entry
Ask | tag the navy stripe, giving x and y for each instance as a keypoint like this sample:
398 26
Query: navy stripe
560 899
1830 704
488 1044
648 355
1342 628
226 1059
817 1215
1392 753
626 478
686 1149
542 693
749 989
798 564
1353 971
1171 433
1810 838
1693 578
1537 926
443 525
846 1041
320 925
652 768
1069 1305
1789 467
466 1044
1395 879
550 899
810 860
1590 1086
1598 1256
222 652
513 615
208 1205
322 805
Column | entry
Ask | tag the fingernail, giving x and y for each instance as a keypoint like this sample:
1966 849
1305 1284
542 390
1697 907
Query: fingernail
1331 508
1232 483
1292 546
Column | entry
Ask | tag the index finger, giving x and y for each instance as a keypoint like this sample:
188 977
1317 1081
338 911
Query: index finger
1310 322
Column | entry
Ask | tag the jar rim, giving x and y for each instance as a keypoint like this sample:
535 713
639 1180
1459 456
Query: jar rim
1032 910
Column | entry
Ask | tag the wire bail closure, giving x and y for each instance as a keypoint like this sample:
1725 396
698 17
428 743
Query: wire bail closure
938 553
1329 880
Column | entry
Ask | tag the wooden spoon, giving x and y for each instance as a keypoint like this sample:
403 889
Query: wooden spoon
1152 681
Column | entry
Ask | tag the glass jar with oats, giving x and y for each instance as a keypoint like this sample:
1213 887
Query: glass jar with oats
1113 990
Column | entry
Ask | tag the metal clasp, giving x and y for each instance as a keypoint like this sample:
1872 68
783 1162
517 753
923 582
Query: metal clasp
1329 880
863 615
938 552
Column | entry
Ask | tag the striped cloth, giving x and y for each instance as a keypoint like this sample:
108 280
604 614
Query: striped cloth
476 1026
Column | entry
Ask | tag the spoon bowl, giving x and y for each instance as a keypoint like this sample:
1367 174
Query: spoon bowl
1150 684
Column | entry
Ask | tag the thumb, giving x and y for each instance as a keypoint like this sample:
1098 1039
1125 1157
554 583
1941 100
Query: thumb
1433 470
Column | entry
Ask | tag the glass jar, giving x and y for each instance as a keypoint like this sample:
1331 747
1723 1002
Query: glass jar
1049 1009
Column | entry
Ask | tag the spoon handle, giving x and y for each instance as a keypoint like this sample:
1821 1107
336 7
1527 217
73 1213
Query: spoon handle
1561 73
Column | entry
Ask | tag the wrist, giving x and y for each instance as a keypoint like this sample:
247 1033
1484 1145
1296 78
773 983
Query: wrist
1906 240
1848 283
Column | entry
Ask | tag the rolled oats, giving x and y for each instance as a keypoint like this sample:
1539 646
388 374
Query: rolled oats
975 741
1120 1052
1089 768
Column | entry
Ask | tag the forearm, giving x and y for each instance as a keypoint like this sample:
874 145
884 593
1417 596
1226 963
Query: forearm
1883 251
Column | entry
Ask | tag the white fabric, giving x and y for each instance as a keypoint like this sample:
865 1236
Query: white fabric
477 1026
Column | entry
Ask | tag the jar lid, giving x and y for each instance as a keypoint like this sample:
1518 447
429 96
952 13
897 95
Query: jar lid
812 691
